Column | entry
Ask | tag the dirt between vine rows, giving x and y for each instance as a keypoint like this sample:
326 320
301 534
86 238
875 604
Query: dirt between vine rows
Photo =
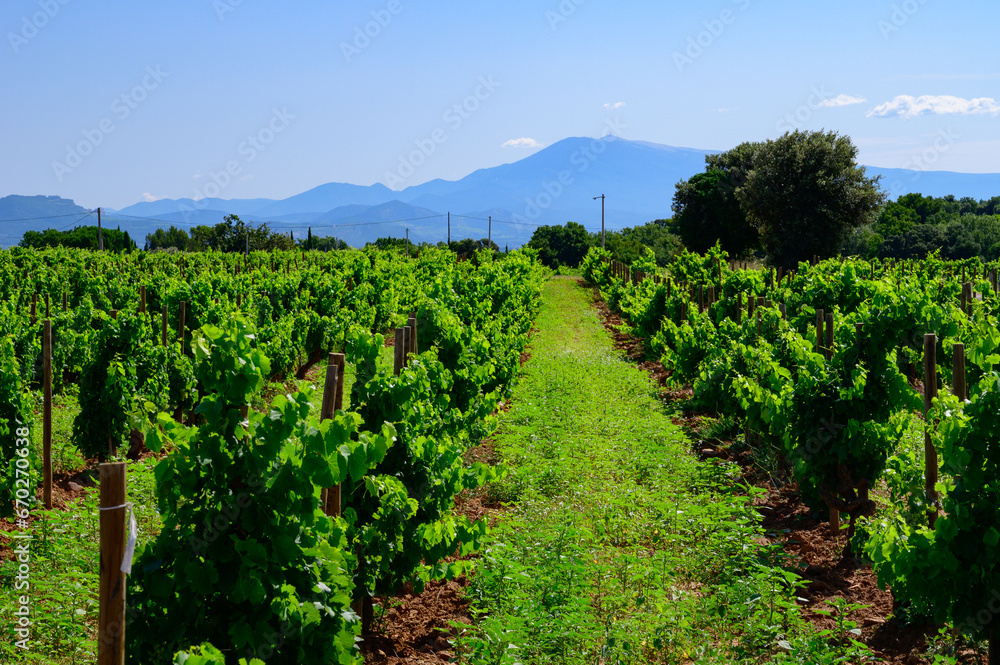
816 552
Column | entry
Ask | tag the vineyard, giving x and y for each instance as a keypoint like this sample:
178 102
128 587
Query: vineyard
831 372
274 513
290 435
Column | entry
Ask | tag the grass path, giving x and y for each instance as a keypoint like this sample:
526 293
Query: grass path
619 545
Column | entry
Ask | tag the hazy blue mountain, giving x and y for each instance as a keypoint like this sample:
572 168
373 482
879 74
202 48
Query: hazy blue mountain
327 197
21 213
358 224
555 185
191 207
938 183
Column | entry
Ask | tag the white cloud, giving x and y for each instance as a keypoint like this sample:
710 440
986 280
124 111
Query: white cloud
842 100
728 109
906 106
149 198
521 143
616 105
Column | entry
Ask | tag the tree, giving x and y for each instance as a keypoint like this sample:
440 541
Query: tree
470 246
561 245
230 235
172 237
83 237
805 193
629 245
706 211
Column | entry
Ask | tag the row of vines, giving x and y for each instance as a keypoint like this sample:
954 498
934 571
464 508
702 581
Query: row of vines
249 564
820 366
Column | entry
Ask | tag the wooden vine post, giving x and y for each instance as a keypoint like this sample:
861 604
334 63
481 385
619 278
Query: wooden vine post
399 351
47 415
142 299
820 321
111 617
164 331
182 324
412 324
930 453
333 401
829 335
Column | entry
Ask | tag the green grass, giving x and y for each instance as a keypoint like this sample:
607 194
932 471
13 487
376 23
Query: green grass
620 546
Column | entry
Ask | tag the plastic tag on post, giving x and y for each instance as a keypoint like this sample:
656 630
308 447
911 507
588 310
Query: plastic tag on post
133 535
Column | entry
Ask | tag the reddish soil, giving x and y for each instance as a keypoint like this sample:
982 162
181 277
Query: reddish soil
418 629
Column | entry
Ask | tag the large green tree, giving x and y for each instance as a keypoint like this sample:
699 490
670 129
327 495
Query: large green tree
561 245
706 211
805 193
231 234
83 237
165 238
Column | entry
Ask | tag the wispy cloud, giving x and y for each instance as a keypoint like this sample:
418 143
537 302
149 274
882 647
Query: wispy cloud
906 106
523 142
149 198
616 105
842 100
727 109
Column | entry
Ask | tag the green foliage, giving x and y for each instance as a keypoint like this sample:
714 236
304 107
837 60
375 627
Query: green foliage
561 245
82 237
109 399
231 234
470 247
629 244
246 559
950 571
15 425
706 212
171 237
804 194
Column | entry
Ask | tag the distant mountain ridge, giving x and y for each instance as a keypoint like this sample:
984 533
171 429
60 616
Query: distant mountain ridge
552 186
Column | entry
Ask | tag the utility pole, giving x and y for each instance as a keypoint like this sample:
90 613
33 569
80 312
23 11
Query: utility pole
489 232
602 218
407 243
100 235
246 250
449 229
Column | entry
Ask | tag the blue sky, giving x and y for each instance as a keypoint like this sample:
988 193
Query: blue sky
111 103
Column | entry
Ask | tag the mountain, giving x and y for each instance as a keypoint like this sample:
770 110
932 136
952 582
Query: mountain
552 186
23 213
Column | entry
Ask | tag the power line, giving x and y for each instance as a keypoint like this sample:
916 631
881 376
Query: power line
76 221
32 219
